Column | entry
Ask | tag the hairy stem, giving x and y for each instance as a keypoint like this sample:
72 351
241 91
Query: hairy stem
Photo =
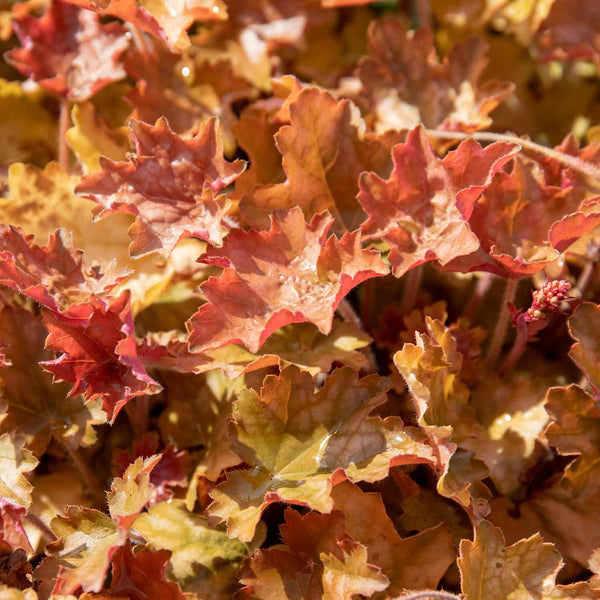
515 352
140 42
411 290
487 136
46 532
495 346
63 125
481 289
430 594
348 314
583 279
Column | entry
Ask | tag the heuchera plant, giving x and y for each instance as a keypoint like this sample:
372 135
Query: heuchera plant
286 312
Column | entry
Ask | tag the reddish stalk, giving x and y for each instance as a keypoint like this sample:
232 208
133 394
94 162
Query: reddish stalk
493 351
546 299
46 532
411 290
63 125
481 289
524 334
140 42
584 279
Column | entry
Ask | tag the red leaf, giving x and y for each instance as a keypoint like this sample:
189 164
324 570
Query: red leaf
522 223
11 528
168 186
68 51
169 471
570 31
100 355
324 150
141 575
421 211
165 20
404 83
292 273
53 275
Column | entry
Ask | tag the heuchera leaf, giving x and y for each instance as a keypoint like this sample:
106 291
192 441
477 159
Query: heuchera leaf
140 575
87 540
15 460
27 128
422 210
210 88
170 471
129 494
324 150
36 407
12 531
514 220
99 352
431 369
492 571
510 418
193 543
92 137
68 51
417 562
584 327
298 344
167 20
16 571
53 275
168 186
299 443
319 561
576 429
42 200
570 31
403 84
566 511
290 274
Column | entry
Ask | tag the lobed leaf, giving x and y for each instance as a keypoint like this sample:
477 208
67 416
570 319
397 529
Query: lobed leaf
292 273
168 186
299 443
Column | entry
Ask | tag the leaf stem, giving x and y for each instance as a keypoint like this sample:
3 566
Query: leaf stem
428 594
515 352
584 279
500 331
140 42
46 532
63 125
411 289
481 289
572 162
348 314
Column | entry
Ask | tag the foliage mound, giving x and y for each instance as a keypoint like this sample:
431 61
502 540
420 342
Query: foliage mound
298 299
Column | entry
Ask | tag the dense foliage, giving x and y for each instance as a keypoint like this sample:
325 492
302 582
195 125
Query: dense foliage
286 313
